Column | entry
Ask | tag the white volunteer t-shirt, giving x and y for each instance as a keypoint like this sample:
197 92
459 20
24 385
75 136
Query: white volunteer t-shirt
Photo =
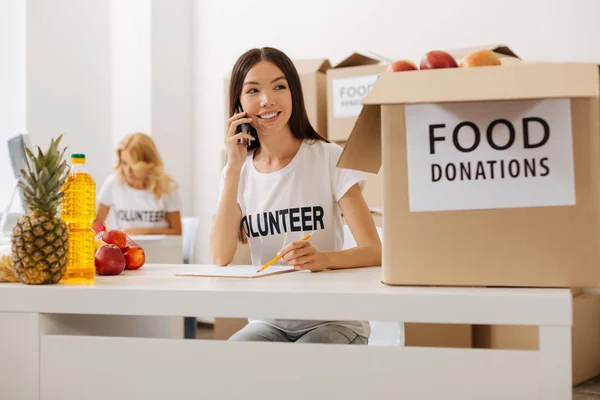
137 207
283 206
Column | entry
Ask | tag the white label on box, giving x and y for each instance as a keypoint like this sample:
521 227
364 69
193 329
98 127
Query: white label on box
483 155
348 94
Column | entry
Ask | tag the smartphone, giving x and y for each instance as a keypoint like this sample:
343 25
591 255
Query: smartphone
244 127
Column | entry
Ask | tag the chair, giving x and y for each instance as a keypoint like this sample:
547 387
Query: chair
189 228
383 333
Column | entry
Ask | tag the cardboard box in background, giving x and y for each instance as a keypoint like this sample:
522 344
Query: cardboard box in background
438 335
225 327
453 221
314 89
373 191
347 84
585 337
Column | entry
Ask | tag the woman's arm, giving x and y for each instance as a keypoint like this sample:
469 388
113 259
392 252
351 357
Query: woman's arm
174 221
368 245
102 212
226 225
367 252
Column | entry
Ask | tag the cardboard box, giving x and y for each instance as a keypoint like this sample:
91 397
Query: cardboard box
314 90
438 335
373 191
225 327
493 173
585 337
347 84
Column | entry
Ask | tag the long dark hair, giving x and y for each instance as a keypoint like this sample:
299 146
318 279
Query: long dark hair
299 123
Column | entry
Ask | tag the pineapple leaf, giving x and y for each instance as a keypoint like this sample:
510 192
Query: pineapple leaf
40 155
32 161
29 179
42 183
62 155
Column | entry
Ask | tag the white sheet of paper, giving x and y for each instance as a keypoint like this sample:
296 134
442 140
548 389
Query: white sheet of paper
237 271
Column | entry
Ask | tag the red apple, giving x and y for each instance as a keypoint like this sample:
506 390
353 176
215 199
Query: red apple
134 257
438 59
115 237
98 226
109 260
401 65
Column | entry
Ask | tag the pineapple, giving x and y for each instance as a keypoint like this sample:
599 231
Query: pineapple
40 239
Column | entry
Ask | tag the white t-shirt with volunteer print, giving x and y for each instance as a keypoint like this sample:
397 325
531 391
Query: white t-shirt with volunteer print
137 208
283 206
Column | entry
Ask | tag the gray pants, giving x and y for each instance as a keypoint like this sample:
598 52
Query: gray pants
260 332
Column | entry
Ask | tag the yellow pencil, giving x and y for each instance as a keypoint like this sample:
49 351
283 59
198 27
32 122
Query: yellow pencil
275 259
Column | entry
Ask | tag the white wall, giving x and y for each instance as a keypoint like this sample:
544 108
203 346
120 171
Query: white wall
68 78
12 84
130 67
560 30
172 89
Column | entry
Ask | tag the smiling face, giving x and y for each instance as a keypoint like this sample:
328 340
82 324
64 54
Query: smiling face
267 98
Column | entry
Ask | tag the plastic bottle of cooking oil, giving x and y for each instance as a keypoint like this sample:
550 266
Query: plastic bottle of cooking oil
78 212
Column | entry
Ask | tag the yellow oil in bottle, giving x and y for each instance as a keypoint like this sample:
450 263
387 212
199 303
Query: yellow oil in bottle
78 212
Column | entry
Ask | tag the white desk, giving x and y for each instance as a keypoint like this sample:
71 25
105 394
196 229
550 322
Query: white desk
46 349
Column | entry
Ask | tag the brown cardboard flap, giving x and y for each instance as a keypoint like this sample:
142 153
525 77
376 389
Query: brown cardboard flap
363 149
314 65
356 59
509 82
499 48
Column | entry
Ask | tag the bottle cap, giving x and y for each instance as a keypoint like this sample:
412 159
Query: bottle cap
78 158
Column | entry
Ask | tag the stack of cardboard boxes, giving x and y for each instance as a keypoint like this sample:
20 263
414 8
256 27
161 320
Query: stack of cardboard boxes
491 177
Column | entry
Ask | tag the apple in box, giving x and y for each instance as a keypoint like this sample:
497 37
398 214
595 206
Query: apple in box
109 260
480 58
401 65
438 59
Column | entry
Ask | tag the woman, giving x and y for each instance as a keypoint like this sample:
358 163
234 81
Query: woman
144 198
280 183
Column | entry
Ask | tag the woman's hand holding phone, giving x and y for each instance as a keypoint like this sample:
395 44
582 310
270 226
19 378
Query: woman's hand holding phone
235 142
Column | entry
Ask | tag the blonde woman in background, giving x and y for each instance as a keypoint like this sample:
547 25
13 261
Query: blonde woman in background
144 198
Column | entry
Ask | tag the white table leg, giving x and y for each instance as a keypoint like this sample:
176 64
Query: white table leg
19 356
555 371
